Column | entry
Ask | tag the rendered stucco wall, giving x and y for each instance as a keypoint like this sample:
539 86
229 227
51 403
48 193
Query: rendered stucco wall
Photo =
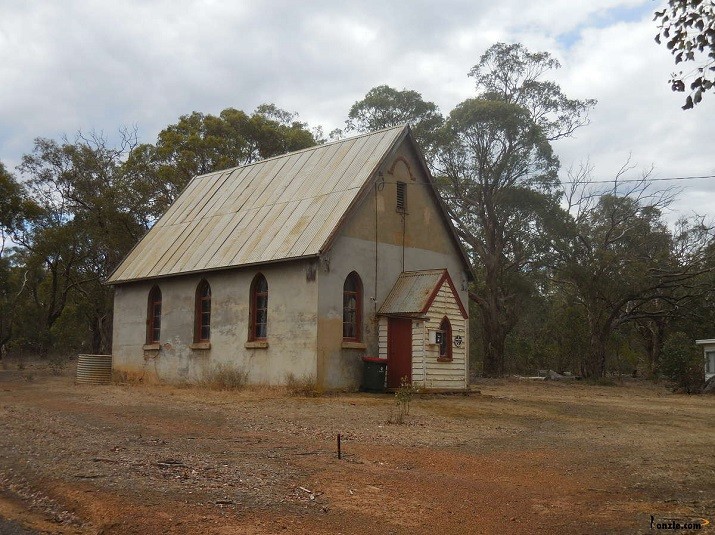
292 332
379 257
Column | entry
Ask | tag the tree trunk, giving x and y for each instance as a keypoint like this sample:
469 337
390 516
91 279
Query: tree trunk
101 329
493 340
656 330
595 365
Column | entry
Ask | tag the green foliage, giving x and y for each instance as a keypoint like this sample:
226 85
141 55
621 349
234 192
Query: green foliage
688 29
682 362
11 203
82 226
14 208
498 175
202 143
498 178
71 332
621 263
85 203
511 73
602 381
384 106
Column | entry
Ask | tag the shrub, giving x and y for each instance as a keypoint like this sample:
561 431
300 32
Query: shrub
305 386
225 377
403 397
682 361
602 381
57 365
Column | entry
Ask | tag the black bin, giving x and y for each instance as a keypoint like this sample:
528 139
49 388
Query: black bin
373 374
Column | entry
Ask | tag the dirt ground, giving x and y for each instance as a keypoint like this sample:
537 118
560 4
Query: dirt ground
516 457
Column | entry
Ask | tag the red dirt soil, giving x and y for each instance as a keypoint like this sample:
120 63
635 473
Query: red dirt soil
519 457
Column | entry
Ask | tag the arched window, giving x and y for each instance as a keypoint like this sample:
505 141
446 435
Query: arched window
352 308
153 316
445 345
259 308
202 314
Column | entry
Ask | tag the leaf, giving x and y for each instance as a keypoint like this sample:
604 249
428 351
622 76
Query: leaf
677 85
688 103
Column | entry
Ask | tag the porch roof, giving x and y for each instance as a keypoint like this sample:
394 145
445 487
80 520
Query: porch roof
414 292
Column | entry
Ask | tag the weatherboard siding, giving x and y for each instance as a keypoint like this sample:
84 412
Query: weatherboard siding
418 354
450 375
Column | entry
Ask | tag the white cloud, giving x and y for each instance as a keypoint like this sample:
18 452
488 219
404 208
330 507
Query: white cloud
84 64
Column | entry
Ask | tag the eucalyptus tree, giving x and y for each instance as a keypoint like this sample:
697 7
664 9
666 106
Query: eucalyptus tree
499 179
688 29
623 264
511 73
498 175
384 106
10 204
93 201
83 225
12 208
202 143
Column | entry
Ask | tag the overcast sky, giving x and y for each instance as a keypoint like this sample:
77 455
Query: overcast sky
96 65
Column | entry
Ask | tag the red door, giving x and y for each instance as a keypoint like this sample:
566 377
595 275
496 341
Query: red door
399 351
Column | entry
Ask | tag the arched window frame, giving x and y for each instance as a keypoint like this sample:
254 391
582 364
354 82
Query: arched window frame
153 316
445 347
352 308
202 312
258 325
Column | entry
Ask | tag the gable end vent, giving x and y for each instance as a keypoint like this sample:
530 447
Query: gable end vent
401 197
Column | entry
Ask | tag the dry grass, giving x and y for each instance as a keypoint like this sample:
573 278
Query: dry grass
225 377
566 457
121 377
303 386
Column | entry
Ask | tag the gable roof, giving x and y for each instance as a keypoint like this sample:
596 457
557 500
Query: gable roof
281 208
414 292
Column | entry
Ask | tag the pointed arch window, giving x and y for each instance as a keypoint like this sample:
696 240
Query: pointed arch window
202 314
445 344
153 316
259 308
352 308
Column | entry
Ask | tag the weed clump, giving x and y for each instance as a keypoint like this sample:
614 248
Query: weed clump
403 398
225 377
57 365
303 386
602 381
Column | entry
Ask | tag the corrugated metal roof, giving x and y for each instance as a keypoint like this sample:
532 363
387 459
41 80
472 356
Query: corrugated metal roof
412 291
276 209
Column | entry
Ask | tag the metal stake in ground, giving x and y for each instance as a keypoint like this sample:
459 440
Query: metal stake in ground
339 453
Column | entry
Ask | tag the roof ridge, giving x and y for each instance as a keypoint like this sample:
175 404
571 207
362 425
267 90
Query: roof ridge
288 206
307 149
